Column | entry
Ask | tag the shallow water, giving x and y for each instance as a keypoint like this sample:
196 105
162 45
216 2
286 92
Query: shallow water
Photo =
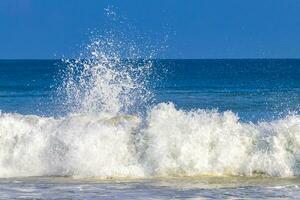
171 188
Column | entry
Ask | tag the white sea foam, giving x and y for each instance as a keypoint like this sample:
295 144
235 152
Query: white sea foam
171 143
208 142
79 145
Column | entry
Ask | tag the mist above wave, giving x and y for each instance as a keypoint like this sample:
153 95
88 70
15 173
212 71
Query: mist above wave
101 81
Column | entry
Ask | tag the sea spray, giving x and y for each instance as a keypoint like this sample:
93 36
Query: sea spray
102 81
113 72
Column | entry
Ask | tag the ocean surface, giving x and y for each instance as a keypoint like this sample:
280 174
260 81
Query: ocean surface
149 129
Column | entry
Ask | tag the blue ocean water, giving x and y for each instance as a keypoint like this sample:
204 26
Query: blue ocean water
255 89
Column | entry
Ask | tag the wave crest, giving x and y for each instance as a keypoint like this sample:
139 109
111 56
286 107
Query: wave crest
170 142
208 142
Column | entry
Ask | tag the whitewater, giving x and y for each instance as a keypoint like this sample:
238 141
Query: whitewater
114 130
170 142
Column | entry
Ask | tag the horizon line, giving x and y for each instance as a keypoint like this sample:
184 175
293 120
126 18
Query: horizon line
41 59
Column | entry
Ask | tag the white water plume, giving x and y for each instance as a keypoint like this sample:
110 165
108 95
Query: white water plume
103 82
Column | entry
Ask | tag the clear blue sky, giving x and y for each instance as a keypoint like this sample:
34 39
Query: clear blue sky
197 28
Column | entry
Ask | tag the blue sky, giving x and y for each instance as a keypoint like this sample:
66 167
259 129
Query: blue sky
195 28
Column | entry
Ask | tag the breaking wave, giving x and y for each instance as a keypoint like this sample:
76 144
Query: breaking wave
170 142
113 130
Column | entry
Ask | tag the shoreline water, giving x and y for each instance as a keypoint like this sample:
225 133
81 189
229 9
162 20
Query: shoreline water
199 188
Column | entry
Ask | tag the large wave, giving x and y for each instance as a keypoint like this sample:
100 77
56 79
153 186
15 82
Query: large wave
105 135
170 142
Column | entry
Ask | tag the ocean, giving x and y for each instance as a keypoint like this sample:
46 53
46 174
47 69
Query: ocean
149 129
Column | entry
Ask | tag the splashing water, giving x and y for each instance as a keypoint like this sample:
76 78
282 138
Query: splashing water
103 82
172 143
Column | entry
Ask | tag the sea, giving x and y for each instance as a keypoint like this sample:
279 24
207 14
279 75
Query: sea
109 128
